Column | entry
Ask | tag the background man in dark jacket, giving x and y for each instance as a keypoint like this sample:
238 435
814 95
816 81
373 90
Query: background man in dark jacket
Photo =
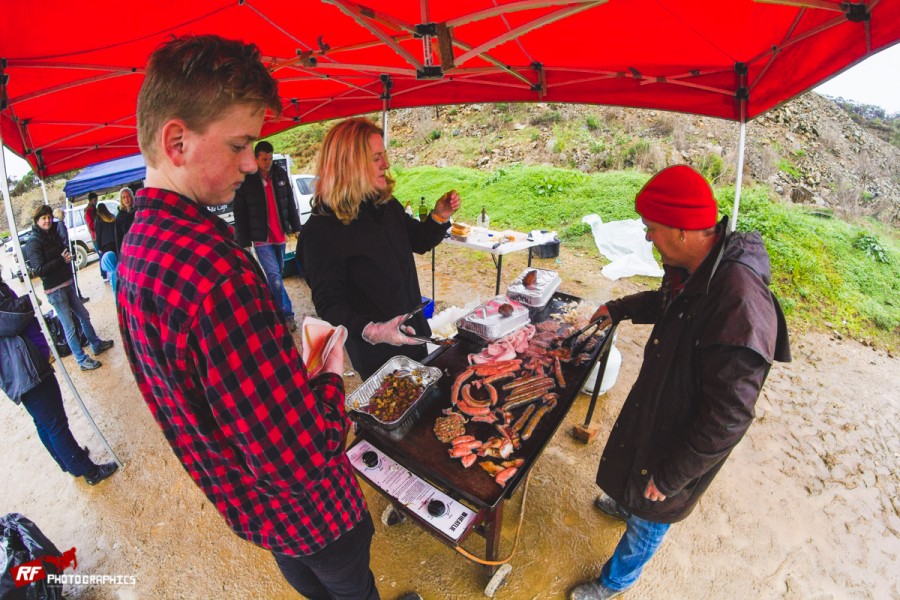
28 379
264 212
717 329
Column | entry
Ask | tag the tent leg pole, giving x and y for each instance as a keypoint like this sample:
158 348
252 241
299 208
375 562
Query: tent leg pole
740 169
4 186
384 122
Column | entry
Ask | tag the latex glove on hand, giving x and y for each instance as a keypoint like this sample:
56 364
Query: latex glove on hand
448 204
601 315
390 332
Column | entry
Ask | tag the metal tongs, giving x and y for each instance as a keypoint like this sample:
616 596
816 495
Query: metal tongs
429 340
569 341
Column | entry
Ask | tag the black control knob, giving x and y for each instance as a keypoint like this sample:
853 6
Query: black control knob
436 508
370 459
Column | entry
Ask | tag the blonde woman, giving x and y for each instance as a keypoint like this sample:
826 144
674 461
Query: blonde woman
125 216
357 245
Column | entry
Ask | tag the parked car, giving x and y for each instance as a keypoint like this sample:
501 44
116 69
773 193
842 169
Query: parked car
80 235
16 269
304 189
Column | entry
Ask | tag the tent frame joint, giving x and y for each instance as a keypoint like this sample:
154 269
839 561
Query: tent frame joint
423 29
430 72
857 13
386 84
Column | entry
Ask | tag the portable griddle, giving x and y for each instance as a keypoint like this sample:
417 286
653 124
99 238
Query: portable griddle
433 475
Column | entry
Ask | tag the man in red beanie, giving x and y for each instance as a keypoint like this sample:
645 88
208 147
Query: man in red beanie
717 328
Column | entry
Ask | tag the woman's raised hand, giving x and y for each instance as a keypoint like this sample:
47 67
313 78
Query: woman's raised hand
447 205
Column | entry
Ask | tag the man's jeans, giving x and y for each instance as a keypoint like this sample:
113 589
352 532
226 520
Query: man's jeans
637 546
44 403
271 259
66 303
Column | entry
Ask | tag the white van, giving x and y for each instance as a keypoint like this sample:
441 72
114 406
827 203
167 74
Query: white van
304 189
304 185
79 234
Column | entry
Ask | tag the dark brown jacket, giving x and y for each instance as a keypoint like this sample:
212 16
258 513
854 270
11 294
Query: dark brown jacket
706 361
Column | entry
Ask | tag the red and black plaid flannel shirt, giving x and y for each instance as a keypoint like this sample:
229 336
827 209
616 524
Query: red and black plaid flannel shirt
219 370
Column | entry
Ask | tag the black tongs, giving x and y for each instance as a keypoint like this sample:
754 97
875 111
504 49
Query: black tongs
569 341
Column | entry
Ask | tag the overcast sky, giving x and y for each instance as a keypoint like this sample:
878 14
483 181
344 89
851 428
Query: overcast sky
876 80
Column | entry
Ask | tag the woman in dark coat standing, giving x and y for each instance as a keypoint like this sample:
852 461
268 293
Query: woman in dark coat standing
28 379
357 247
49 258
105 228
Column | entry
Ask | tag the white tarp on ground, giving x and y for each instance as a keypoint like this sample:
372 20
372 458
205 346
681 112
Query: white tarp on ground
624 244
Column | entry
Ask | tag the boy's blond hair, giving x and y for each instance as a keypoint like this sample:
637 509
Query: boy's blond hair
195 79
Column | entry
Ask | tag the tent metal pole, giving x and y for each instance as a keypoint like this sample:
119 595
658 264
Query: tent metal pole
384 122
4 186
740 168
44 191
386 85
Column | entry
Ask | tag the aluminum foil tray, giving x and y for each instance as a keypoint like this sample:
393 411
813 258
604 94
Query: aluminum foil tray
357 402
545 285
487 323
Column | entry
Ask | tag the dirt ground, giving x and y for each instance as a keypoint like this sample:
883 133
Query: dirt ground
808 505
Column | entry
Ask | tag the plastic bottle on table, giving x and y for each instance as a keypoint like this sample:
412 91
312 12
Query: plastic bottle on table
409 209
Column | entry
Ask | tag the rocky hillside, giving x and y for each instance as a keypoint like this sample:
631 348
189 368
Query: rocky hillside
808 151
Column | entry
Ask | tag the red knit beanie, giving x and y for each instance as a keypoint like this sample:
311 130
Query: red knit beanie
678 197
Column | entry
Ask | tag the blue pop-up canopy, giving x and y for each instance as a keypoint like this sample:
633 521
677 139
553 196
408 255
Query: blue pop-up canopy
106 176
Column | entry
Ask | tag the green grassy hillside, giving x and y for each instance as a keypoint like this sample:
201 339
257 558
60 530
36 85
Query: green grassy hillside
828 274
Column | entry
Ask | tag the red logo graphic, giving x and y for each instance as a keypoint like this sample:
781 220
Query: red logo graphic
28 573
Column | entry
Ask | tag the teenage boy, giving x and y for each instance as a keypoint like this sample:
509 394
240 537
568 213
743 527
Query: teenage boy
210 352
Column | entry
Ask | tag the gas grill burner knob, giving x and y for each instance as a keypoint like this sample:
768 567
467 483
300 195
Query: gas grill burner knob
370 459
436 508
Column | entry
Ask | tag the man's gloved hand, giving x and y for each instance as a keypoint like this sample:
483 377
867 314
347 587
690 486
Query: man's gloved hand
389 332
601 315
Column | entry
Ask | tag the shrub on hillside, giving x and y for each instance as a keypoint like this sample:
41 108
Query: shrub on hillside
546 118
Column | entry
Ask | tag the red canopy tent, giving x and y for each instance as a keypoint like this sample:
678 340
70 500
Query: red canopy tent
70 72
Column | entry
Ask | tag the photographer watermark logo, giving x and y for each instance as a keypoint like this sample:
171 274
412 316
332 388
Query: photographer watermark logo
32 571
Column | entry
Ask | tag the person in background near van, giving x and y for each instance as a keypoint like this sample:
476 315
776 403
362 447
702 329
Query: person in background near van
125 216
90 217
357 247
211 354
264 211
59 219
60 216
717 328
105 227
49 257
28 379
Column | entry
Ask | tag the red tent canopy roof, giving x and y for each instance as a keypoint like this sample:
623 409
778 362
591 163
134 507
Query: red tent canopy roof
71 71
